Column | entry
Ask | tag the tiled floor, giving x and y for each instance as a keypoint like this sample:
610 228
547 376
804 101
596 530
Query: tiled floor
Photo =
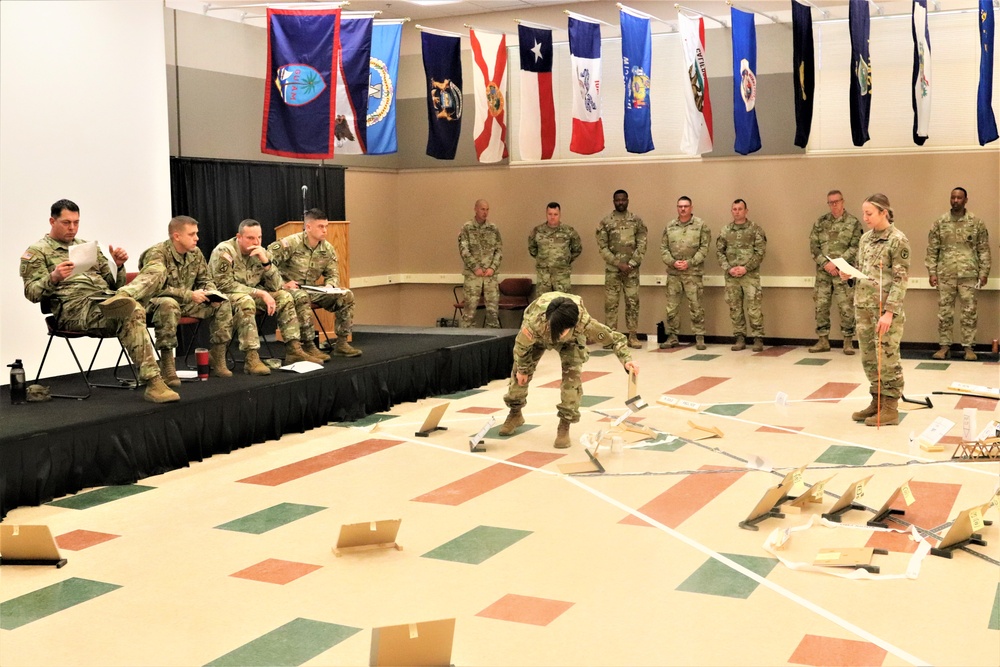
230 562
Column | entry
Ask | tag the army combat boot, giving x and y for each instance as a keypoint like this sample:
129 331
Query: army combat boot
888 414
157 391
970 355
117 307
343 348
758 345
849 345
168 371
562 435
633 341
294 352
865 413
670 342
310 348
252 364
217 361
514 419
822 345
942 352
699 343
740 344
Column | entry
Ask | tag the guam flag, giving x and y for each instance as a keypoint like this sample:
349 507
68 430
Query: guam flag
745 82
636 65
921 89
803 71
299 104
861 71
352 86
587 137
443 75
489 78
537 132
697 137
383 70
986 120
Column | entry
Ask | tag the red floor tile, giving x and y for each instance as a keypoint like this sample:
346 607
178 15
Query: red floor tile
775 351
985 404
274 571
777 428
834 391
486 480
832 652
524 609
294 471
584 377
696 386
76 540
933 503
481 411
682 500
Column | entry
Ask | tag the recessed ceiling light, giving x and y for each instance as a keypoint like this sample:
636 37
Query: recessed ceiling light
433 3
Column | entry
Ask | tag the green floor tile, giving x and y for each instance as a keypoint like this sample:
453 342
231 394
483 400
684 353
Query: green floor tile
367 421
665 443
845 455
601 353
811 361
477 545
270 518
292 644
49 600
107 494
932 366
591 401
461 394
728 409
495 431
995 615
715 578
701 357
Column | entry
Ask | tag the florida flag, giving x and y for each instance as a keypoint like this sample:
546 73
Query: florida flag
697 137
489 80
537 127
585 52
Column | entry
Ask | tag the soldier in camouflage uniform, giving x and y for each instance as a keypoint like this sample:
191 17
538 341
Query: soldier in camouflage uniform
555 247
481 249
883 256
621 239
96 301
243 271
185 292
684 247
557 321
835 234
303 259
958 264
740 250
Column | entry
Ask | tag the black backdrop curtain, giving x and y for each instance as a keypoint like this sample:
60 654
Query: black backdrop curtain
221 193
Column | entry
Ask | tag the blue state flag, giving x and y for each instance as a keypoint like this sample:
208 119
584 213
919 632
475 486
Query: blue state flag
745 83
861 71
636 65
803 71
443 75
986 121
383 70
299 85
352 86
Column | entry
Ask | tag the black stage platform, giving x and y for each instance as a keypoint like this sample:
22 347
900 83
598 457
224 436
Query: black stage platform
51 449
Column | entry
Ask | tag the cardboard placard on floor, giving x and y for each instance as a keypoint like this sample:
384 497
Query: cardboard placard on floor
814 494
28 545
432 420
367 536
426 644
575 468
700 432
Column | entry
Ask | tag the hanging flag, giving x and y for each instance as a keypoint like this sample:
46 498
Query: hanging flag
636 65
745 82
443 72
861 71
803 71
587 136
489 80
537 131
352 85
921 92
987 122
299 105
697 137
383 70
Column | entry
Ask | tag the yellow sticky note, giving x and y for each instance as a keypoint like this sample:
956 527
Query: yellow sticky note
817 491
413 631
976 519
859 490
995 501
828 555
907 494
796 478
373 526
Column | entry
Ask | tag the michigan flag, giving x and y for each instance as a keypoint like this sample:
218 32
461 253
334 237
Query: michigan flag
537 128
587 136
987 122
745 82
383 68
489 80
697 137
299 105
352 86
861 71
921 91
443 74
803 71
636 66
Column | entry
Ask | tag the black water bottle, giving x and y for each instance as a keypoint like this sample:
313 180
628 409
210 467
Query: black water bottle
18 386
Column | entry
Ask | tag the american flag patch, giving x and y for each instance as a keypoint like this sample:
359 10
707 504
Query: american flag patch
226 256
27 255
527 332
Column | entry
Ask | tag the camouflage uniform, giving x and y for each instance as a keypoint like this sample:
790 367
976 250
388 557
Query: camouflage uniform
743 245
238 276
73 301
480 246
621 237
183 275
554 250
834 237
685 240
535 337
958 253
297 261
885 254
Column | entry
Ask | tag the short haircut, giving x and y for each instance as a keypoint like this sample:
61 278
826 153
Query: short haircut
179 222
315 214
619 192
64 204
553 204
684 198
834 192
966 194
881 202
562 314
249 222
741 201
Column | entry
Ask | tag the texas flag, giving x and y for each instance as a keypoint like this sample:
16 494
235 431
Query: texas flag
585 52
489 80
537 127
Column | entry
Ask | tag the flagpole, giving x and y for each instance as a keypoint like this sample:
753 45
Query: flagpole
436 31
697 13
405 19
753 11
343 15
581 17
822 11
492 32
644 15
540 26
297 5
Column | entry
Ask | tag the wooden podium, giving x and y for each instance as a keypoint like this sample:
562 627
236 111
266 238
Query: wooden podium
338 234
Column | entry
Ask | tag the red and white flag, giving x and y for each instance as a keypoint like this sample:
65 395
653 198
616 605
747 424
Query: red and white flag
489 78
697 137
537 122
587 137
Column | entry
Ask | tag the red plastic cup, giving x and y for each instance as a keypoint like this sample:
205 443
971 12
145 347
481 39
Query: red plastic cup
201 357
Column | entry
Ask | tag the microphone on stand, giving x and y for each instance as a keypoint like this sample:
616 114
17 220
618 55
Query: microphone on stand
305 189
